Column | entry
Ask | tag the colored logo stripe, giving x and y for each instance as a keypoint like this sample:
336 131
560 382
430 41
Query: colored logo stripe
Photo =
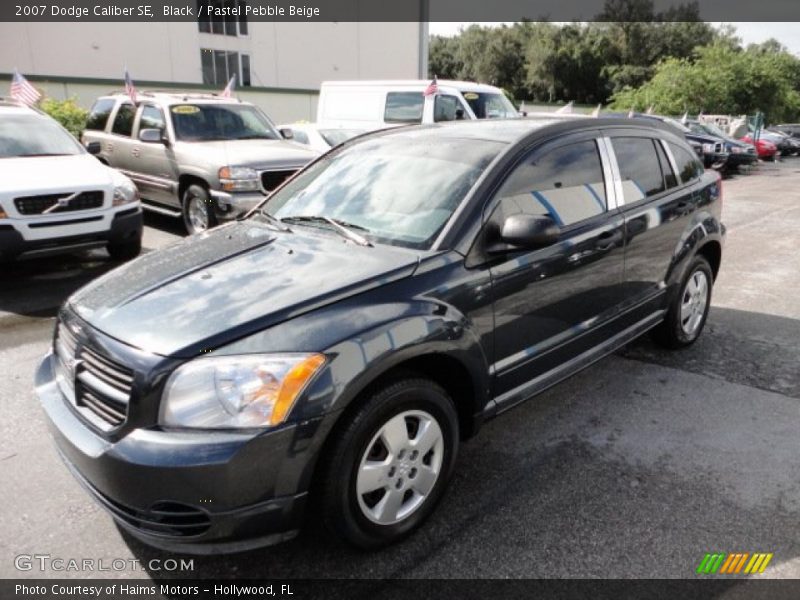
731 564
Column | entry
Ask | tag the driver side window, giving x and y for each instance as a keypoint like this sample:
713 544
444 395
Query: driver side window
565 183
447 108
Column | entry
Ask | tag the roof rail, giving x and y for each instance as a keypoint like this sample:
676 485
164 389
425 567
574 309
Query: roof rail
176 94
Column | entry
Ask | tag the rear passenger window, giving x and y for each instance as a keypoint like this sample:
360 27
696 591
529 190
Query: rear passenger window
638 167
403 107
670 180
565 183
98 115
688 165
123 121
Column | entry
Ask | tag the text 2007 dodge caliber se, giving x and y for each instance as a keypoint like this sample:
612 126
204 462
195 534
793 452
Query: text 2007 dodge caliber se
329 352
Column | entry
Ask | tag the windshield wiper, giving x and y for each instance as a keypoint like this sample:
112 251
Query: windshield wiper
255 137
42 154
343 227
275 222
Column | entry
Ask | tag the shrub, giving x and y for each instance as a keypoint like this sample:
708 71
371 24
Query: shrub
67 112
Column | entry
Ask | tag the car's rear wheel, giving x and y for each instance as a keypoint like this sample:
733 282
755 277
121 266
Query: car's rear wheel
688 312
198 210
390 464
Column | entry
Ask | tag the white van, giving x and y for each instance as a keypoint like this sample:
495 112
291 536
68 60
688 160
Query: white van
371 105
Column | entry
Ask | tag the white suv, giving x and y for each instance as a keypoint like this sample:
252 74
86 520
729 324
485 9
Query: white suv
56 197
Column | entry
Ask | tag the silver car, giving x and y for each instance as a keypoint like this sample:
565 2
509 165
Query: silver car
201 157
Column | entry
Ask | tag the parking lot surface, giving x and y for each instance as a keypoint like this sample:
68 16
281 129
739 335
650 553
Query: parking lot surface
636 467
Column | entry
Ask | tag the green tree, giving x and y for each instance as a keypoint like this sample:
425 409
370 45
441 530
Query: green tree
67 112
722 79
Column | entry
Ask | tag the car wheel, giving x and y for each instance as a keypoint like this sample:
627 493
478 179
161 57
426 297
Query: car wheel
198 210
688 312
390 465
126 250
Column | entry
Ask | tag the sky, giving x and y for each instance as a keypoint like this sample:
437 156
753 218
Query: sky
751 33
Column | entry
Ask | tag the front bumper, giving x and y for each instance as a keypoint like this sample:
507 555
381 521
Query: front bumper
203 492
232 206
715 160
121 226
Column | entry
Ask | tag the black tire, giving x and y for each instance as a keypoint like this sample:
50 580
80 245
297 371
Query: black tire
344 511
197 196
125 250
673 331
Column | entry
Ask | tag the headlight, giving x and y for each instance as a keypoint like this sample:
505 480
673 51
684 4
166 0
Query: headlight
236 391
708 148
239 179
125 191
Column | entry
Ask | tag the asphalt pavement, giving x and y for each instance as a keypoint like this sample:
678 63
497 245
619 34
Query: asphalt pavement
636 467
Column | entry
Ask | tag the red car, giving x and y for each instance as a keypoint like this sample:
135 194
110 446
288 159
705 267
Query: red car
766 150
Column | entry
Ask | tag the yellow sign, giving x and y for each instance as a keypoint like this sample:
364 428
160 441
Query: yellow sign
185 109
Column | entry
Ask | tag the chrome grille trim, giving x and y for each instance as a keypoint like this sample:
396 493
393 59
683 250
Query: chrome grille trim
49 203
97 386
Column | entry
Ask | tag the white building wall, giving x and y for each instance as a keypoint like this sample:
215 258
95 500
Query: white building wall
286 55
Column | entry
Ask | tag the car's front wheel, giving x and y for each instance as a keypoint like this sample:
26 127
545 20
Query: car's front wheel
688 312
126 249
391 463
198 211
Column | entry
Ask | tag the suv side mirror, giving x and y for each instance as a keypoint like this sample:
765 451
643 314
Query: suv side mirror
94 148
287 133
529 231
151 136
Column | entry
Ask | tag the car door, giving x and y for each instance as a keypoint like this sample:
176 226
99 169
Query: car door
554 304
153 166
119 144
658 181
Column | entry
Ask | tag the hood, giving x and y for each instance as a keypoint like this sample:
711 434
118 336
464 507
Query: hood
704 139
250 153
41 174
235 280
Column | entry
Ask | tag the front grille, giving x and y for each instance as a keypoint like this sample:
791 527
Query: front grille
100 387
36 205
272 179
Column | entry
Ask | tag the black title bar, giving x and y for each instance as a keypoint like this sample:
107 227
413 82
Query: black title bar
380 10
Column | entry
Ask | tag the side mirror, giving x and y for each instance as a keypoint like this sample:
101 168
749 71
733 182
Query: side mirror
529 231
94 148
287 133
151 136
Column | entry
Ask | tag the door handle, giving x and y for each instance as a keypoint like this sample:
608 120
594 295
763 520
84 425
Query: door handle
609 239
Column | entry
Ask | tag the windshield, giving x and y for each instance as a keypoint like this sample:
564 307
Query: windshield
490 106
34 135
397 190
713 130
212 122
676 124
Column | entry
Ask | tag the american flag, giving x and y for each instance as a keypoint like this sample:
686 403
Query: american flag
226 93
433 88
130 89
23 91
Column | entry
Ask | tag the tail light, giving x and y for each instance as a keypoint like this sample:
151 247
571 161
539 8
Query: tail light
719 189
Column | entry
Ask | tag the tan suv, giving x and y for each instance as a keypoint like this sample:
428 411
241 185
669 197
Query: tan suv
197 156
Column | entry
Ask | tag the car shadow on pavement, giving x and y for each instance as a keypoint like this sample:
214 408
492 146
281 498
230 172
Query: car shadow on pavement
561 490
36 287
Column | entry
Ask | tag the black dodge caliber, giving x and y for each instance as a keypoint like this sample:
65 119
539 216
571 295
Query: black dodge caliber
329 352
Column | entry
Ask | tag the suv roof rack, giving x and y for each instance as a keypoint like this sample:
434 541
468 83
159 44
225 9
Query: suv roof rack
177 95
